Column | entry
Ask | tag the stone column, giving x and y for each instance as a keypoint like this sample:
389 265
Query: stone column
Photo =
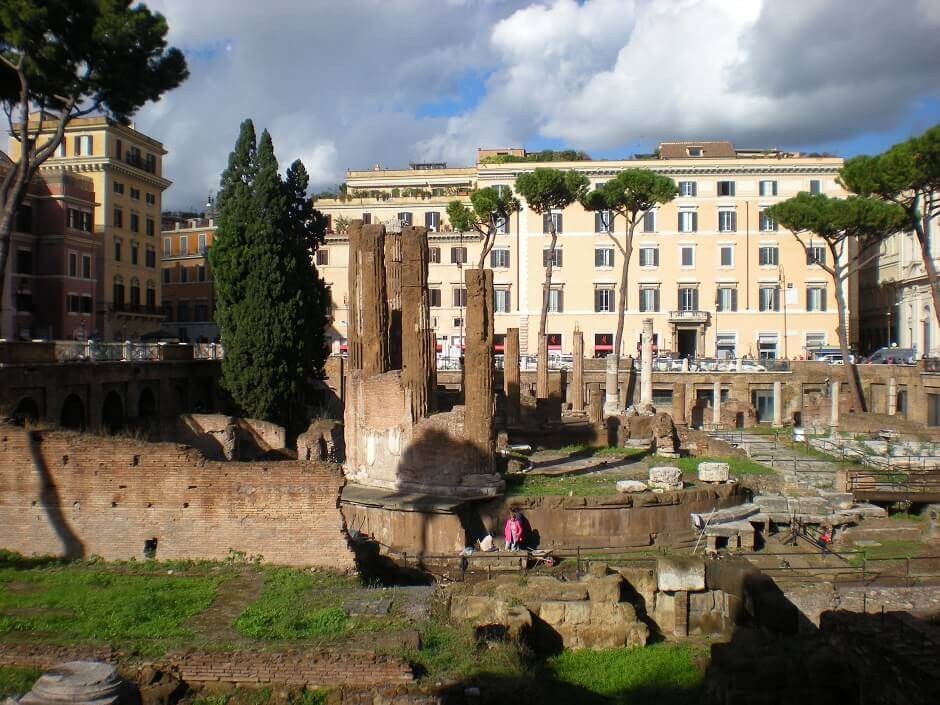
678 403
595 404
892 396
393 284
577 373
646 371
541 373
418 345
478 364
511 375
778 404
373 301
834 409
716 404
612 392
353 332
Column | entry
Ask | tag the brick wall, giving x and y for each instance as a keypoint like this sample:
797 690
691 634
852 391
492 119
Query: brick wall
77 495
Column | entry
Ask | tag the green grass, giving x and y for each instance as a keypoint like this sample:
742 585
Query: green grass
101 604
907 516
661 673
740 467
259 696
16 680
897 548
587 485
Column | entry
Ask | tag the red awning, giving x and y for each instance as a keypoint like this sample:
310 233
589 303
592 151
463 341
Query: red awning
440 348
343 348
498 347
554 347
603 348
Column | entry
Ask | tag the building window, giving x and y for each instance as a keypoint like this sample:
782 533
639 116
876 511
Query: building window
135 293
815 255
459 297
726 344
556 301
694 151
501 300
118 187
767 347
766 224
556 260
118 293
815 340
725 188
649 299
603 222
603 256
184 245
404 218
151 199
768 188
135 222
726 255
687 188
815 186
688 298
502 226
323 258
432 221
604 300
815 298
649 256
603 344
167 247
133 253
151 227
86 266
201 272
649 222
552 218
726 299
73 303
182 311
367 219
769 298
458 323
687 256
768 256
688 221
727 221
86 304
202 244
84 145
151 297
118 218
499 259
434 297
117 250
73 264
184 275
119 149
458 255
201 311
60 151
434 255
167 276
135 193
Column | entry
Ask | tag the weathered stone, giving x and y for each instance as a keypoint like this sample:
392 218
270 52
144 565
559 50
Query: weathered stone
478 364
541 372
419 343
393 288
629 486
646 363
370 334
518 622
665 478
675 573
577 372
678 403
664 431
606 589
541 588
478 610
80 683
714 472
552 612
323 440
511 375
612 392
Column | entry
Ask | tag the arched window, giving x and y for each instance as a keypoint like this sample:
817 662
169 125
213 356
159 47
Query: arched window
151 296
118 292
135 292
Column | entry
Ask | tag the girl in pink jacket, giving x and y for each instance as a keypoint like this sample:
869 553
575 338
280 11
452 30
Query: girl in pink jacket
512 532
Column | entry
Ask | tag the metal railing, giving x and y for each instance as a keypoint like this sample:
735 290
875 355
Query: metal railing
208 351
128 351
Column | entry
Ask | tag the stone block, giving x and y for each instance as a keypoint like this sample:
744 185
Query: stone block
552 613
606 589
772 503
578 612
478 610
839 500
665 477
540 588
518 622
630 486
674 573
714 472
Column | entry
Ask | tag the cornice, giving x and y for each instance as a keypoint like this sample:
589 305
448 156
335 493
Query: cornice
684 170
84 166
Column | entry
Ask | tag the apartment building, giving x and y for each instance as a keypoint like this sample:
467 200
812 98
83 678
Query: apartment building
716 275
188 293
125 167
51 276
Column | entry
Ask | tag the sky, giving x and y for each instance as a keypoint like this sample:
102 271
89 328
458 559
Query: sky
347 85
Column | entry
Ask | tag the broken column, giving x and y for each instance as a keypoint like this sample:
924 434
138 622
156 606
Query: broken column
418 344
612 391
716 404
678 403
353 332
834 408
393 265
511 375
577 373
892 396
595 404
778 404
478 364
541 371
372 300
646 371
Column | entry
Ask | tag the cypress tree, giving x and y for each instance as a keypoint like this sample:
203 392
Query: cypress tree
272 302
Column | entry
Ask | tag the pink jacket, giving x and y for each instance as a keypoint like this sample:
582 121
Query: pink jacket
512 531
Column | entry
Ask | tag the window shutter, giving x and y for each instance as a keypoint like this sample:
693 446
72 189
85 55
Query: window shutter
734 221
611 217
694 222
546 222
734 299
545 258
560 227
822 299
695 299
597 300
730 188
695 188
559 255
428 223
655 256
655 299
774 188
776 298
598 258
809 298
679 226
598 222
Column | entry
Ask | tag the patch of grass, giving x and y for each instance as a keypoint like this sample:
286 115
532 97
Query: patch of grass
16 680
586 485
576 449
613 452
295 605
740 467
79 602
661 673
11 559
259 696
897 548
907 515
450 650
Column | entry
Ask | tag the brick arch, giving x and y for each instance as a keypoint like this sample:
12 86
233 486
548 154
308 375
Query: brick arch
73 413
146 403
25 411
112 412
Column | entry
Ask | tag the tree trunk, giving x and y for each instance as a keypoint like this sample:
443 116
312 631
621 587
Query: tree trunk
850 368
921 228
541 378
9 204
624 282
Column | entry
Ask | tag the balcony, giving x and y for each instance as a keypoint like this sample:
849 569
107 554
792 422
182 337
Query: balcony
688 316
132 309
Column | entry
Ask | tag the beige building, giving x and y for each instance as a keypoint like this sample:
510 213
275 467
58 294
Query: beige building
125 167
717 276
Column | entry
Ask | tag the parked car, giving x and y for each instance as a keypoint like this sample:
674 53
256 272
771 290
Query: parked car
895 356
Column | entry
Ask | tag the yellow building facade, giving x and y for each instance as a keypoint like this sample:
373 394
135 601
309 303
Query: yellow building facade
718 278
126 168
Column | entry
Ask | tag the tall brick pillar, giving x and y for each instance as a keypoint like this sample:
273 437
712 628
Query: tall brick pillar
478 364
418 344
678 403
577 373
646 368
541 372
393 285
373 300
353 331
511 380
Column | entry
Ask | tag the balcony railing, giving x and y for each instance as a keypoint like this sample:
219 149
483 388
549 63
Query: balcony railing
135 309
